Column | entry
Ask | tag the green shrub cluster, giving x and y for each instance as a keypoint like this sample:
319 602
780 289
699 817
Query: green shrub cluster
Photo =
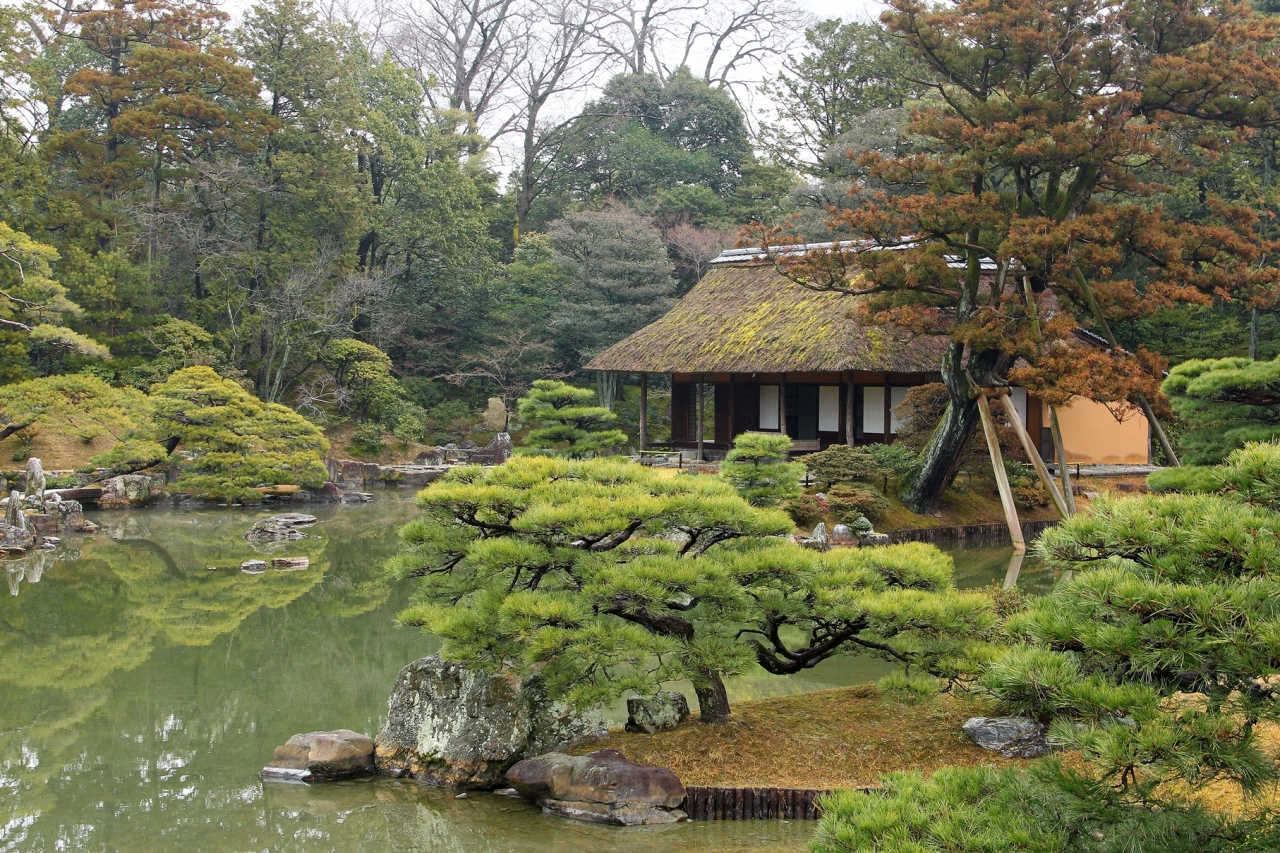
847 503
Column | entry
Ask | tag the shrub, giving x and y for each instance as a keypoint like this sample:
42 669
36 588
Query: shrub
806 511
840 463
1193 479
367 438
896 459
758 467
849 502
1030 497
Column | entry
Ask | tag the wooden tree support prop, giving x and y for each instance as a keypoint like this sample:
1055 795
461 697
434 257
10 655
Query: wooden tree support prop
1060 451
1002 477
1033 454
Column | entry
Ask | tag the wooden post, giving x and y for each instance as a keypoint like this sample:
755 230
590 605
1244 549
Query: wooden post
888 408
644 411
701 424
1002 478
850 430
1060 451
782 404
1033 454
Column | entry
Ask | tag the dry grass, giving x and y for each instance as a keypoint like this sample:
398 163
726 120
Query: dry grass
843 738
57 452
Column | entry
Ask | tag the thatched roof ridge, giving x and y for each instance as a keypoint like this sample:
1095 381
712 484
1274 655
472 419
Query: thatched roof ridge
745 317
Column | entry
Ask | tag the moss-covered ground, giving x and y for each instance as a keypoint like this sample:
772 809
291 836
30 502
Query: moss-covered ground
842 738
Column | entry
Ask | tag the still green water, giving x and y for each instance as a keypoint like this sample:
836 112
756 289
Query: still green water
144 680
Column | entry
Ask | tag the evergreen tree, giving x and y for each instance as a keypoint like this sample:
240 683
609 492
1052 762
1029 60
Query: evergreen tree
1154 658
606 576
759 466
1226 402
566 422
226 442
619 279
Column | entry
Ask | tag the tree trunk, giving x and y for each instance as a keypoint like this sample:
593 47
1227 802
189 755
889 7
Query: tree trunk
713 699
940 459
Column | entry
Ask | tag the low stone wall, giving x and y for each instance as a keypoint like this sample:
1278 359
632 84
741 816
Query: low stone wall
968 532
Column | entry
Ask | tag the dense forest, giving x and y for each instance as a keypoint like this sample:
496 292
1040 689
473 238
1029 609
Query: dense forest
390 215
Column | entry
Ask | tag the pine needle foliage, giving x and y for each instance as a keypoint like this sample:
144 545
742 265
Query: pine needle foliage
226 442
1228 402
606 577
1155 658
759 467
566 422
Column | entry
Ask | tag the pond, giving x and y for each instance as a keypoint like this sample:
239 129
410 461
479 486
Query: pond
144 680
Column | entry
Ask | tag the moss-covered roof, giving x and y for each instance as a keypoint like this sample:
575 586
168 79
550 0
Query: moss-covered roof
747 318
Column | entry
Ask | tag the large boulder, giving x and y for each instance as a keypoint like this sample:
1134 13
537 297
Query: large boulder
602 787
1008 737
339 754
127 490
448 725
656 713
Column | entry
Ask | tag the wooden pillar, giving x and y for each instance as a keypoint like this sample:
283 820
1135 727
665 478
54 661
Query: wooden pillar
888 408
782 404
1060 451
850 431
644 411
1002 477
701 422
1033 454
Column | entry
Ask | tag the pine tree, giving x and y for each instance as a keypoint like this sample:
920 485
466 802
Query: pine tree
759 467
1226 402
566 422
607 577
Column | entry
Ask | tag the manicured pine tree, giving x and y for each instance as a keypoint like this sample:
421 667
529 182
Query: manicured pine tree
566 422
759 467
1226 402
605 577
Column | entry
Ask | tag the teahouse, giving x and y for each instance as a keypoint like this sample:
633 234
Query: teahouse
776 356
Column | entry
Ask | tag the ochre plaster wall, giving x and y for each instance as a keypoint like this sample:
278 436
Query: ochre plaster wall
1092 435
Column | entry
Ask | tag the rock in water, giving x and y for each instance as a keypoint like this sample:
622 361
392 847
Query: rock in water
284 526
339 754
601 786
127 490
1009 737
13 514
447 725
35 479
662 711
253 567
289 564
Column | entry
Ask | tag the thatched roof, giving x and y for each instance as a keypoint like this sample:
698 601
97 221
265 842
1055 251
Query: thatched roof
744 317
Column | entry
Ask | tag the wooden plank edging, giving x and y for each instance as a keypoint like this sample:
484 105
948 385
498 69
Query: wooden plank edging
710 802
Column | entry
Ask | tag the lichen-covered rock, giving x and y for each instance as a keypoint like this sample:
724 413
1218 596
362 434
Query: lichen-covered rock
448 725
1008 737
16 538
284 526
338 754
127 490
601 787
656 713
35 479
70 515
253 567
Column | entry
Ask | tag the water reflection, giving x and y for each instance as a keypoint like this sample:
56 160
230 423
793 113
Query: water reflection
145 680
